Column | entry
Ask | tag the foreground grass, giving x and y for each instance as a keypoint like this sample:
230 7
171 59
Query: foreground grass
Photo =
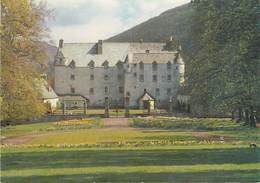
155 164
211 150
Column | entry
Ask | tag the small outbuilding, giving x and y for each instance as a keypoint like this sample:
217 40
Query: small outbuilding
146 101
49 97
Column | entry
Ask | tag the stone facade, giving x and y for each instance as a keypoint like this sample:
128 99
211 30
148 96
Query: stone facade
116 70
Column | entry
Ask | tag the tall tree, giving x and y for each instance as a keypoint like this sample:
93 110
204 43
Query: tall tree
226 65
22 54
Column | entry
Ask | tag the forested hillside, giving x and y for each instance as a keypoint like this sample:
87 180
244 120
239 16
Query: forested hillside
174 22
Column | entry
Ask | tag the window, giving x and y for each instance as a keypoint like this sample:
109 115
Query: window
92 77
141 78
169 77
119 77
177 67
128 94
169 91
154 78
72 90
169 65
91 91
106 90
105 77
135 65
141 66
147 51
121 89
155 66
157 92
135 74
72 77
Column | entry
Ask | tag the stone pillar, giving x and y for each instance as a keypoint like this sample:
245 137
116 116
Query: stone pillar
127 99
106 107
170 106
63 107
149 107
85 112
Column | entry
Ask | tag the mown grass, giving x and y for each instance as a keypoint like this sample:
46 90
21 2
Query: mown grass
233 164
37 128
67 152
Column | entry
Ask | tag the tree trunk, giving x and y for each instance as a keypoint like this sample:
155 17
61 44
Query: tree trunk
252 119
246 117
240 115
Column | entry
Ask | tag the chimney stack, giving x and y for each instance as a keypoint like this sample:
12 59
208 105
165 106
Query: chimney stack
61 43
99 47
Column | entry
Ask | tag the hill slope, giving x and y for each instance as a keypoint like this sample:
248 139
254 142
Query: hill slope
171 22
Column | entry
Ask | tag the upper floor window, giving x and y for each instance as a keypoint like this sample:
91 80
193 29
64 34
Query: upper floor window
155 66
154 78
169 91
72 77
135 74
157 91
121 89
169 65
135 65
106 90
119 77
91 91
141 66
169 77
72 90
177 67
147 51
92 77
141 78
105 77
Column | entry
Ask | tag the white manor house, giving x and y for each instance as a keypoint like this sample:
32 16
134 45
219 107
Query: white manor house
112 70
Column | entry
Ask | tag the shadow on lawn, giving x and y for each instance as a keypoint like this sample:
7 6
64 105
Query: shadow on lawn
209 176
155 157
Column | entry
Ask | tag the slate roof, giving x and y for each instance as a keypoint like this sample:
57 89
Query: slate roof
71 97
48 92
151 57
84 53
146 96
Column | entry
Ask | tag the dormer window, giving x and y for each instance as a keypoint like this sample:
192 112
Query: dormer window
72 64
169 65
119 64
91 64
141 65
155 66
105 64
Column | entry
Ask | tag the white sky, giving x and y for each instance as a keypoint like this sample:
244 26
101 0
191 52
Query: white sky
91 20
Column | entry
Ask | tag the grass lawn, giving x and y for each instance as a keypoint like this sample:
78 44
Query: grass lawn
87 151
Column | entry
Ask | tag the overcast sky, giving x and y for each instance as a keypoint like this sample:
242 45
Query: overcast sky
91 20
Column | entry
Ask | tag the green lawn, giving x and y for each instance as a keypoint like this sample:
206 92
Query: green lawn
86 151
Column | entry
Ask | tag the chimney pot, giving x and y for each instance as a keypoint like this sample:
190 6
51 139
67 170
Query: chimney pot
99 47
61 43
